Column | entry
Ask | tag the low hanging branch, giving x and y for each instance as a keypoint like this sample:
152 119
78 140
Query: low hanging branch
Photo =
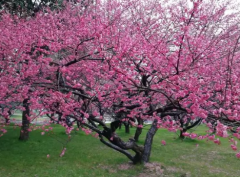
114 141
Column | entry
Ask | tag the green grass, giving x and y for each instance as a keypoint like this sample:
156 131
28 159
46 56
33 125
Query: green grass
88 157
208 159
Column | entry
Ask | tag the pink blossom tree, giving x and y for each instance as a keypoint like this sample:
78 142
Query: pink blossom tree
169 63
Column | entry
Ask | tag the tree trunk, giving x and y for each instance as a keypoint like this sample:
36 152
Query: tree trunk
127 127
7 120
138 130
118 144
129 145
120 126
148 142
24 133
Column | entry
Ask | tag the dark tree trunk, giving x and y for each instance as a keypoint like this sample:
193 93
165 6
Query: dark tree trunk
127 127
148 141
130 144
118 144
7 118
114 141
138 130
120 126
24 133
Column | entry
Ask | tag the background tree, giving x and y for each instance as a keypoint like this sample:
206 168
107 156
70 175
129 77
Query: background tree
28 7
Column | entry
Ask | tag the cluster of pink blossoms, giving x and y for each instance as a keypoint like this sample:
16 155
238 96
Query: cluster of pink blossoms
63 152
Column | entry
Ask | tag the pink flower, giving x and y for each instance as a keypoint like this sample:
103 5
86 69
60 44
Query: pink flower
48 156
233 147
95 113
231 140
4 130
140 126
163 142
221 130
212 137
63 152
238 129
186 134
193 136
238 155
236 135
86 115
217 141
42 133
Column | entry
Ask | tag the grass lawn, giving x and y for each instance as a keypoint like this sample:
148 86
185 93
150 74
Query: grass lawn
88 157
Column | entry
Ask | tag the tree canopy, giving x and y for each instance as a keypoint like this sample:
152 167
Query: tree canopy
172 63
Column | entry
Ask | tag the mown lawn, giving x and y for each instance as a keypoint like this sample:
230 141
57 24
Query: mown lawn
86 156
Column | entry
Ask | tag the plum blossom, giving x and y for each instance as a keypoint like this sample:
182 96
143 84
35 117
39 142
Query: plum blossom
140 126
193 135
63 152
233 147
238 155
163 142
186 134
221 130
3 130
217 141
211 137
